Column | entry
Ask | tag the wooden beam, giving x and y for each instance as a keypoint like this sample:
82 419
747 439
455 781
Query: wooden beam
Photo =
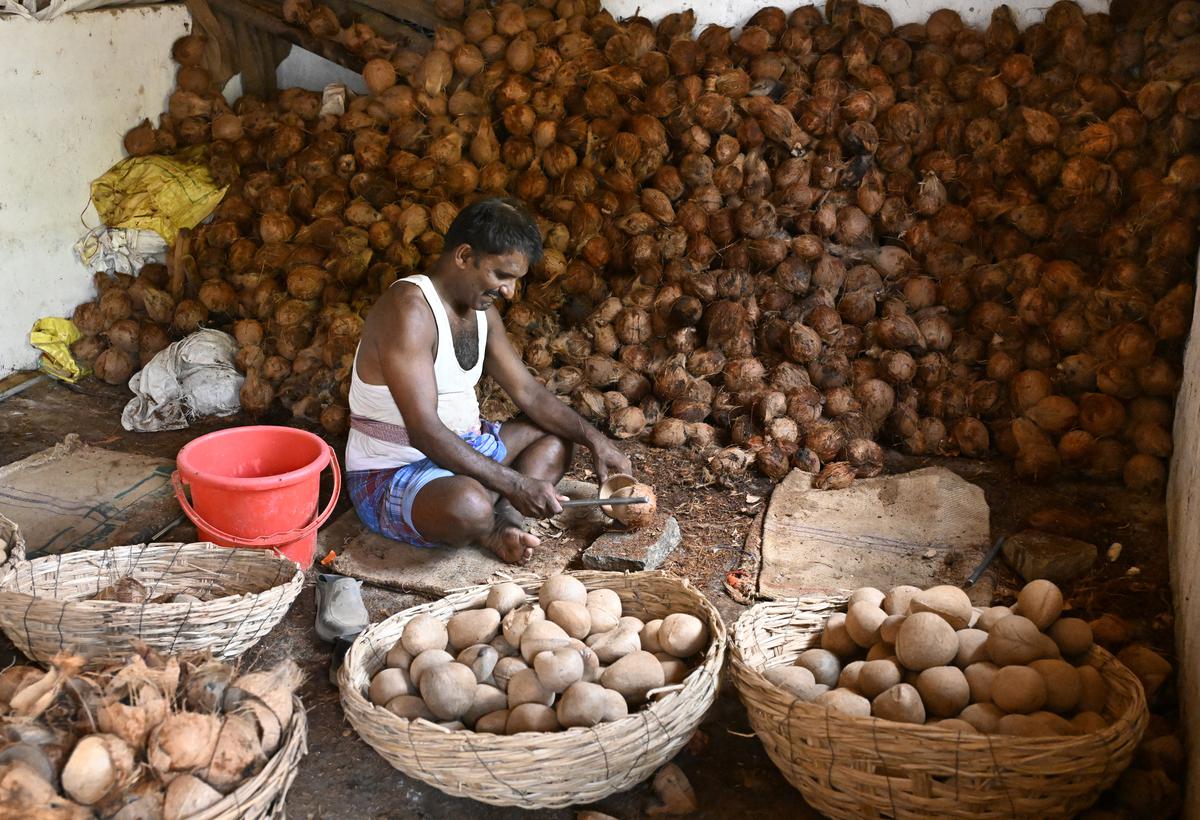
249 62
405 36
259 15
219 48
266 46
416 11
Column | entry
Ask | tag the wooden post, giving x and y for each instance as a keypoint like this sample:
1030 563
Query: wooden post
249 60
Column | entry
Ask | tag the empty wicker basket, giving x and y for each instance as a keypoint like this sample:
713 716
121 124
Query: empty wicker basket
851 767
540 770
46 605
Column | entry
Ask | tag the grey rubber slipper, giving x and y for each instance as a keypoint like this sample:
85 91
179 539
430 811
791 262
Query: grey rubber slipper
340 609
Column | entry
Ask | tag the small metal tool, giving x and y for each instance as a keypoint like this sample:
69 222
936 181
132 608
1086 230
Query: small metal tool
598 502
986 562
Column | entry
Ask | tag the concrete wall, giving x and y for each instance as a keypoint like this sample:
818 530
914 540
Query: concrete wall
1183 523
70 88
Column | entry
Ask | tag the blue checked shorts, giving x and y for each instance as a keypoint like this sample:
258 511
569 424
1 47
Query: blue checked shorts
384 498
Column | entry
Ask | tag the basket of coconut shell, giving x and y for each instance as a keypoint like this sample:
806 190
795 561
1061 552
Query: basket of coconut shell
150 737
538 694
913 703
172 597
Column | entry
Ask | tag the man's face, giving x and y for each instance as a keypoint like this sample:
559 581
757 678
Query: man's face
492 277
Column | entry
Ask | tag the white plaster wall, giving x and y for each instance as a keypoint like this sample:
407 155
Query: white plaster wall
303 69
736 12
69 89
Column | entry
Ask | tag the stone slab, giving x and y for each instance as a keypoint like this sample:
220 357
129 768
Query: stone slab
395 565
1035 554
635 550
433 571
880 532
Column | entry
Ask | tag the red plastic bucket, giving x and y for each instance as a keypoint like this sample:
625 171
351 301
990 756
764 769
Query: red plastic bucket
257 487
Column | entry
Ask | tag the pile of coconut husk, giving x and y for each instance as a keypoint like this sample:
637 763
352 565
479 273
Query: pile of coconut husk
156 737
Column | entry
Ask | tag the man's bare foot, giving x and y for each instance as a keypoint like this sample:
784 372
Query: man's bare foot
510 543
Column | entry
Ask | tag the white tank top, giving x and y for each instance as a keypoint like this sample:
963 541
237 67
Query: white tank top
457 404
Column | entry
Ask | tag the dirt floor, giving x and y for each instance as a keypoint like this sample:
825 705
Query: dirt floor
732 776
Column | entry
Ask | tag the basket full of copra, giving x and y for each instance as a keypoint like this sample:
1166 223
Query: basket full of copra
151 737
913 703
172 597
538 694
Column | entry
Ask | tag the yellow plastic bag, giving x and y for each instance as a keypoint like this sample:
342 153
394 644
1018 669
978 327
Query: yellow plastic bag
54 338
158 193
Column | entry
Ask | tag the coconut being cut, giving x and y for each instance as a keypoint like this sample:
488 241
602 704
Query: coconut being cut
632 515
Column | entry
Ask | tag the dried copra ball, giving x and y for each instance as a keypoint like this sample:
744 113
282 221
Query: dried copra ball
926 640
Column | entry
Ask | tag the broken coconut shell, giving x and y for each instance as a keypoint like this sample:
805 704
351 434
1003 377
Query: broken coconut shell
626 486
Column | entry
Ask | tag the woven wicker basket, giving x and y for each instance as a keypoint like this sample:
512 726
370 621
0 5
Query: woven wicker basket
850 767
45 607
12 544
540 770
264 795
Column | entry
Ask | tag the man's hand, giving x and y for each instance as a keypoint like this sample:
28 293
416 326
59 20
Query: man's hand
609 459
535 498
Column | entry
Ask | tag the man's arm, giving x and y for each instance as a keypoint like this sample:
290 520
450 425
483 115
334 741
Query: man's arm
407 363
544 408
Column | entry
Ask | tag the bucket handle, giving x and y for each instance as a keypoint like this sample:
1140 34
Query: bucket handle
263 540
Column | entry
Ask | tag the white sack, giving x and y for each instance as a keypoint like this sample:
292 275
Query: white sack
193 377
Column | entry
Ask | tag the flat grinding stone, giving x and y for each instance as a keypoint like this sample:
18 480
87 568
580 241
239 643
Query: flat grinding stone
635 550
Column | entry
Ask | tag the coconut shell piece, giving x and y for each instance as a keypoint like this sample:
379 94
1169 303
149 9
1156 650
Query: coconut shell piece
99 765
24 793
631 515
188 795
132 722
672 787
238 754
182 742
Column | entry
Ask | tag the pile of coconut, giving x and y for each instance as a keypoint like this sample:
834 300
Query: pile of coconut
929 656
572 658
156 737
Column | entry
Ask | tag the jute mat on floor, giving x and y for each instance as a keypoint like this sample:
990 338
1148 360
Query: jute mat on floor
73 496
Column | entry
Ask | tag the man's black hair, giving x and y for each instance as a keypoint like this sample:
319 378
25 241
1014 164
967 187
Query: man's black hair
496 226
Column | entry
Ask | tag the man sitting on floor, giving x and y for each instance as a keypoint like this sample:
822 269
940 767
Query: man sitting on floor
422 466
